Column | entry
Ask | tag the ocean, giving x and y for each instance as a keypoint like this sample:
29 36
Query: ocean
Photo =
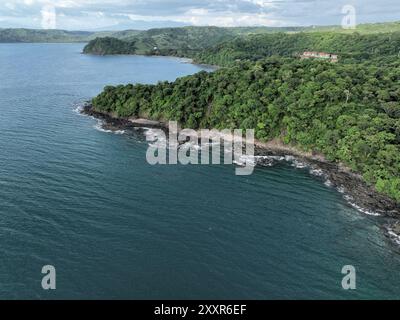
85 201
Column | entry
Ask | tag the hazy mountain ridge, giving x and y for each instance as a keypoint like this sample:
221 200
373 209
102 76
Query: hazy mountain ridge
160 36
38 35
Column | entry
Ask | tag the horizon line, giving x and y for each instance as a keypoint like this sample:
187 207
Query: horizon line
196 26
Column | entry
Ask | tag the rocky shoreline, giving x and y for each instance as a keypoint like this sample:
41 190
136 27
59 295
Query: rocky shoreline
117 123
357 193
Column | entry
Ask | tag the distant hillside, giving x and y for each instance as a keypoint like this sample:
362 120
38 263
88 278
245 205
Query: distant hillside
168 41
173 38
146 39
109 46
223 47
28 35
238 43
369 28
181 41
349 47
33 35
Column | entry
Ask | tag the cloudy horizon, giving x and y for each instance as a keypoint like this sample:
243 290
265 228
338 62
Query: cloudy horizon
96 15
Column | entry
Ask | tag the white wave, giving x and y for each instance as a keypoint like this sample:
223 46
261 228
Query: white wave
99 126
275 158
289 158
298 164
265 161
155 139
279 158
393 236
348 197
317 172
341 189
78 110
153 135
328 183
241 163
350 201
245 160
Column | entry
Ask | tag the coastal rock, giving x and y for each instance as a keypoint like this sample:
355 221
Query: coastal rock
393 232
146 123
360 195
396 228
113 122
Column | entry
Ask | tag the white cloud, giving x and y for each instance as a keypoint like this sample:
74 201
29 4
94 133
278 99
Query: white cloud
228 19
206 18
263 3
92 14
49 17
10 5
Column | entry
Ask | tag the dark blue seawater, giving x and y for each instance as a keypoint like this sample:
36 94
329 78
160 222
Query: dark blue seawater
88 203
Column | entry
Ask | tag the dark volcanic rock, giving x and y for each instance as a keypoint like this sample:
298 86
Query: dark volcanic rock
356 191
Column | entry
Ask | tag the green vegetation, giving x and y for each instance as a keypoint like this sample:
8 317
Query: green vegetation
369 28
350 47
176 41
174 38
28 35
109 46
209 45
32 35
348 112
184 39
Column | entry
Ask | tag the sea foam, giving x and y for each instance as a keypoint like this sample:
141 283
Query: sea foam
100 127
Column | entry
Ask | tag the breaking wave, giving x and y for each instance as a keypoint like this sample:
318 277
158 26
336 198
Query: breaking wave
393 235
100 127
269 161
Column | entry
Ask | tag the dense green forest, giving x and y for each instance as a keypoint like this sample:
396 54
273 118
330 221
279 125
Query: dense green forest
350 47
109 46
209 45
186 41
348 112
181 40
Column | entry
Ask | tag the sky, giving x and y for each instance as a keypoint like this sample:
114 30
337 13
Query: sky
144 14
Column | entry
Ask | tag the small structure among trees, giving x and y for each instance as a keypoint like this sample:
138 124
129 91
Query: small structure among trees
320 55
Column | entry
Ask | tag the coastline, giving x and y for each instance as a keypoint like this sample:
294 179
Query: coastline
182 59
356 192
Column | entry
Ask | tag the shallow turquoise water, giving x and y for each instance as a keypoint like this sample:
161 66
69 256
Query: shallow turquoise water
88 203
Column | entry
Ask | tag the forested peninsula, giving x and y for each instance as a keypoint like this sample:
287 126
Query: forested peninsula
349 111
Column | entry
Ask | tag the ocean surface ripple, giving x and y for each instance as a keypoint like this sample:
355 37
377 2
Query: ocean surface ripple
87 202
